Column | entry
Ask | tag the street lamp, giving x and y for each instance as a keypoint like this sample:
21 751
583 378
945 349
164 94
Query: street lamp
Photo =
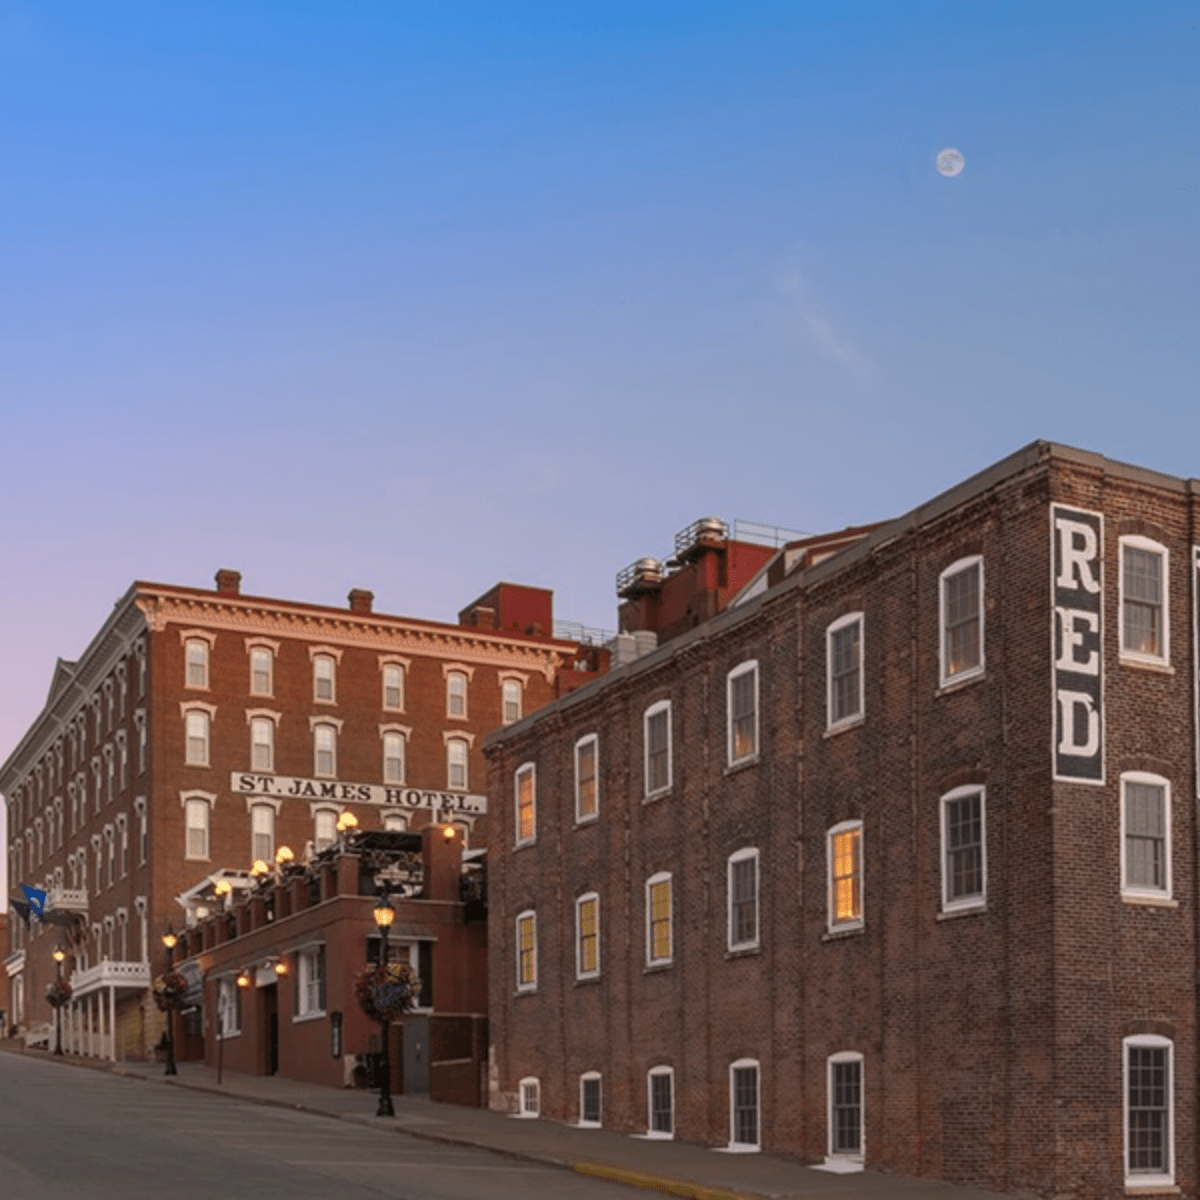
169 939
385 914
59 955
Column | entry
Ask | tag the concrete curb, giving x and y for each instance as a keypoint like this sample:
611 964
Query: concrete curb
657 1183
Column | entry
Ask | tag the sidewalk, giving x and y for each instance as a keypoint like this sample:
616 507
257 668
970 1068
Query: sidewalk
665 1166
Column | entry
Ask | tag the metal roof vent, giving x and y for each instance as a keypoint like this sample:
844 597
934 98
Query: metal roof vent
700 535
645 575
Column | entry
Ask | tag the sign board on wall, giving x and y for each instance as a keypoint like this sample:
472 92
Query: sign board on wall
403 799
1077 585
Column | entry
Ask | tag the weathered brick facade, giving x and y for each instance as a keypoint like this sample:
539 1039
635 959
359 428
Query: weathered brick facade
989 989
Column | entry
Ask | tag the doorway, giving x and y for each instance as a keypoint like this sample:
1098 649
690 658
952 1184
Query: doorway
270 998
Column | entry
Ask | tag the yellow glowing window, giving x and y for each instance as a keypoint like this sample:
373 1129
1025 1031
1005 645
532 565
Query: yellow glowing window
845 848
526 812
526 951
660 920
589 935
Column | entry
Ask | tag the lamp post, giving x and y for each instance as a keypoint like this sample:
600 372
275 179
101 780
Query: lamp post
59 955
385 914
169 939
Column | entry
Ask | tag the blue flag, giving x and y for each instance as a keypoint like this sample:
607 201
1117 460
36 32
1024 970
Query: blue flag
36 898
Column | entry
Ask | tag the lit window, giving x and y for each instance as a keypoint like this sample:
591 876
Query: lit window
197 663
964 849
530 1093
843 643
197 741
657 723
1145 836
511 694
393 758
393 687
262 839
743 1104
324 675
456 764
309 992
324 751
526 952
197 828
587 936
1149 1112
526 793
743 900
587 793
262 663
456 694
845 875
659 940
660 1102
846 1106
962 620
1144 625
742 700
589 1099
262 744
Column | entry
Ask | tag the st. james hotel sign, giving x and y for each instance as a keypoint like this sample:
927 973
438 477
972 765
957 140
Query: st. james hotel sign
1077 557
285 787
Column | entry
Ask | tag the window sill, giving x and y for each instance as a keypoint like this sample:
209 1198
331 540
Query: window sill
843 726
525 844
1158 666
228 1037
520 1116
581 822
656 968
751 760
584 980
849 931
736 1148
301 1018
1151 1189
958 682
457 717
651 1136
743 952
327 703
1148 901
529 991
973 910
661 794
587 1125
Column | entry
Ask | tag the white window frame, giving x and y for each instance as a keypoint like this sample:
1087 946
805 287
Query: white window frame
528 771
945 677
192 802
453 694
397 822
511 687
745 668
384 668
310 971
452 742
332 730
1146 1179
528 1088
206 712
202 663
581 817
257 722
963 903
1139 892
582 972
669 957
319 676
743 1064
530 984
836 924
328 815
846 720
598 1079
391 736
256 651
662 708
1147 545
262 813
663 1135
842 1156
229 1008
746 854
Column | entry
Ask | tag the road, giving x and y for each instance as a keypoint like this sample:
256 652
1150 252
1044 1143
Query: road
67 1133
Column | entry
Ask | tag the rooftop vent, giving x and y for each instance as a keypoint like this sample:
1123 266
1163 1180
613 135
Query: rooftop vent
700 535
645 575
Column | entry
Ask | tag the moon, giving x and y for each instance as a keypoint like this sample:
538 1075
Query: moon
950 162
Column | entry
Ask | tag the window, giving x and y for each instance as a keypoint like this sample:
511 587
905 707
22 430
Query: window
197 828
325 829
1144 625
262 833
262 744
393 758
587 936
659 941
962 620
743 1105
396 822
658 747
845 1106
742 706
324 675
526 794
393 687
743 900
845 875
1149 1111
123 830
660 1098
843 648
456 694
197 722
324 751
310 982
964 849
456 764
262 670
587 793
196 652
143 831
589 1099
140 718
511 701
123 760
1145 836
527 952
229 1006
110 854
530 1092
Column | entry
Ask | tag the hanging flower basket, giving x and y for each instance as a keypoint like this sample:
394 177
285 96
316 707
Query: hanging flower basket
169 990
58 993
385 993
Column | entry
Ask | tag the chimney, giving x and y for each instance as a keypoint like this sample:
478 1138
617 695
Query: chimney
360 600
229 583
479 615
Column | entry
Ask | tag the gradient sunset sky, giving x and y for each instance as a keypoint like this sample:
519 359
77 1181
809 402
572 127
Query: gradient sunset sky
416 296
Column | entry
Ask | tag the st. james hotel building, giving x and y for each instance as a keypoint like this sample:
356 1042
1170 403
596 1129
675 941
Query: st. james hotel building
888 859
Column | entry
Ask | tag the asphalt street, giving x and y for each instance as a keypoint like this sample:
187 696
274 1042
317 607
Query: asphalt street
72 1134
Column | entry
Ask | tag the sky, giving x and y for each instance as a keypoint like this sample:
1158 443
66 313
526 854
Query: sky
418 295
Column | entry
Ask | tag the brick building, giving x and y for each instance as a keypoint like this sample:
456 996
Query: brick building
892 861
203 730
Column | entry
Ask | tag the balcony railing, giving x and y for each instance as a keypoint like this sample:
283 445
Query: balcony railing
70 900
127 975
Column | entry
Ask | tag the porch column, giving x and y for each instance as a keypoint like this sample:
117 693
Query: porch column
112 1023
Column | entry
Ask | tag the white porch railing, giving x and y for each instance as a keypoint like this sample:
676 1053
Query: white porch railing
72 900
120 975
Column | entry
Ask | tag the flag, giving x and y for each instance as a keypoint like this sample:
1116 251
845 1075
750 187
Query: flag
36 898
21 909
